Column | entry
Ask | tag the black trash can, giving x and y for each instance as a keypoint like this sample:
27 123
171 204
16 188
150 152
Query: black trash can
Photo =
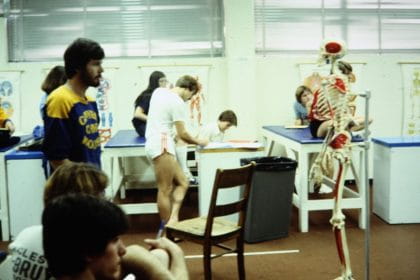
270 201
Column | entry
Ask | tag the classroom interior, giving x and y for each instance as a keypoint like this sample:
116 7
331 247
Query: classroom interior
259 87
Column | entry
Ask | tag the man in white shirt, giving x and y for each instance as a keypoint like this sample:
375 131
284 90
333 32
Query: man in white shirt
167 111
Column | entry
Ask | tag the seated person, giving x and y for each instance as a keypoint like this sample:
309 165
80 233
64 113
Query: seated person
76 178
302 105
212 132
215 132
6 124
82 240
321 121
358 122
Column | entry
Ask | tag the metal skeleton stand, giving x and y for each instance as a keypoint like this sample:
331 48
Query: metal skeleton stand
366 95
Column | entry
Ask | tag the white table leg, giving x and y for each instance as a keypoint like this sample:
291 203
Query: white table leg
303 195
4 205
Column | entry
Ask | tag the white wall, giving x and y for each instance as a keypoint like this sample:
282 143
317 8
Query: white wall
278 77
259 89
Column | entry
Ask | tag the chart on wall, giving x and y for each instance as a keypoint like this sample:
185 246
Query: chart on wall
104 99
197 105
10 95
411 99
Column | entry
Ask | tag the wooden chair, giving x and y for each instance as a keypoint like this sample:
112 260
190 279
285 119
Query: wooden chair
213 229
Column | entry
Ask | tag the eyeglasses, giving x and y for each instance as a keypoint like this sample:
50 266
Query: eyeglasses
163 80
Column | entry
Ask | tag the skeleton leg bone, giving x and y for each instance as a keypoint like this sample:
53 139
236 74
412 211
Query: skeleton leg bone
338 221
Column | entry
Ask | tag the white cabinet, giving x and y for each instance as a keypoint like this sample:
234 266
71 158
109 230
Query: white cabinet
25 183
396 174
209 160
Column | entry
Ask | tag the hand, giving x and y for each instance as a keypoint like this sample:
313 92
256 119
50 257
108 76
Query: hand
203 142
164 243
10 126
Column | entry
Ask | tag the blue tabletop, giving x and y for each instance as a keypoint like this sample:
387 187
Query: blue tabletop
126 139
301 135
23 138
17 154
404 141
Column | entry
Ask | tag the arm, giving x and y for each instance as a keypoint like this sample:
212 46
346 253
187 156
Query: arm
298 117
9 125
139 113
185 136
144 265
57 139
298 122
178 266
56 163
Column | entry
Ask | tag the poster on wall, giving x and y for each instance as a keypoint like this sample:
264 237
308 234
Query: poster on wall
104 99
197 105
411 99
10 95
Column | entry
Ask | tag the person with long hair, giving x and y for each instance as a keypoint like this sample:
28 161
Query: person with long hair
55 78
141 105
302 105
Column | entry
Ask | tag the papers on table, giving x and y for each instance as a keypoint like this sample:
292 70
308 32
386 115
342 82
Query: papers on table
296 126
234 144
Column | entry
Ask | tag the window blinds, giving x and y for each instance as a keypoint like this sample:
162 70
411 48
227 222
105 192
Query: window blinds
40 30
371 26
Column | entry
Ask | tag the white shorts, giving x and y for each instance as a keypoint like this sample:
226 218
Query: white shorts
155 146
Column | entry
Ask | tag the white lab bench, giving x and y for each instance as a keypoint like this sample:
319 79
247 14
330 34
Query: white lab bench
396 178
25 183
4 189
209 160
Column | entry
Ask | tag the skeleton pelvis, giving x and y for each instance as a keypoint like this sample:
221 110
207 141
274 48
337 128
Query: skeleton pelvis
340 140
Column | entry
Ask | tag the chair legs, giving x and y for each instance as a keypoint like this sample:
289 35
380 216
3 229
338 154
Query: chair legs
207 261
240 258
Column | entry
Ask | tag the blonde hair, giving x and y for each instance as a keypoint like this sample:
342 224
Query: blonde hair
74 177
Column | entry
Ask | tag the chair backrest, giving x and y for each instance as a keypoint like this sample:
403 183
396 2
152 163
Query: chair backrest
225 179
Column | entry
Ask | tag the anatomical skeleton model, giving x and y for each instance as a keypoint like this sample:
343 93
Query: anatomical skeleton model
331 102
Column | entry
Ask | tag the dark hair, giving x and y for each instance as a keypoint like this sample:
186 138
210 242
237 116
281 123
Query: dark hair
79 53
153 84
344 67
77 226
229 116
190 83
299 91
75 177
55 78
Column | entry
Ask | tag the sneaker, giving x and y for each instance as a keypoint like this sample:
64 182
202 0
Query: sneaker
161 230
193 181
324 189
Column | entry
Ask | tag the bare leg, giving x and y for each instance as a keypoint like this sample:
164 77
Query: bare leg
358 123
164 176
172 187
338 222
181 150
323 128
180 189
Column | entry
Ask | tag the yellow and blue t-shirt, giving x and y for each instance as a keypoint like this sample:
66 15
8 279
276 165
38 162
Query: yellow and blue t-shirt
71 127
